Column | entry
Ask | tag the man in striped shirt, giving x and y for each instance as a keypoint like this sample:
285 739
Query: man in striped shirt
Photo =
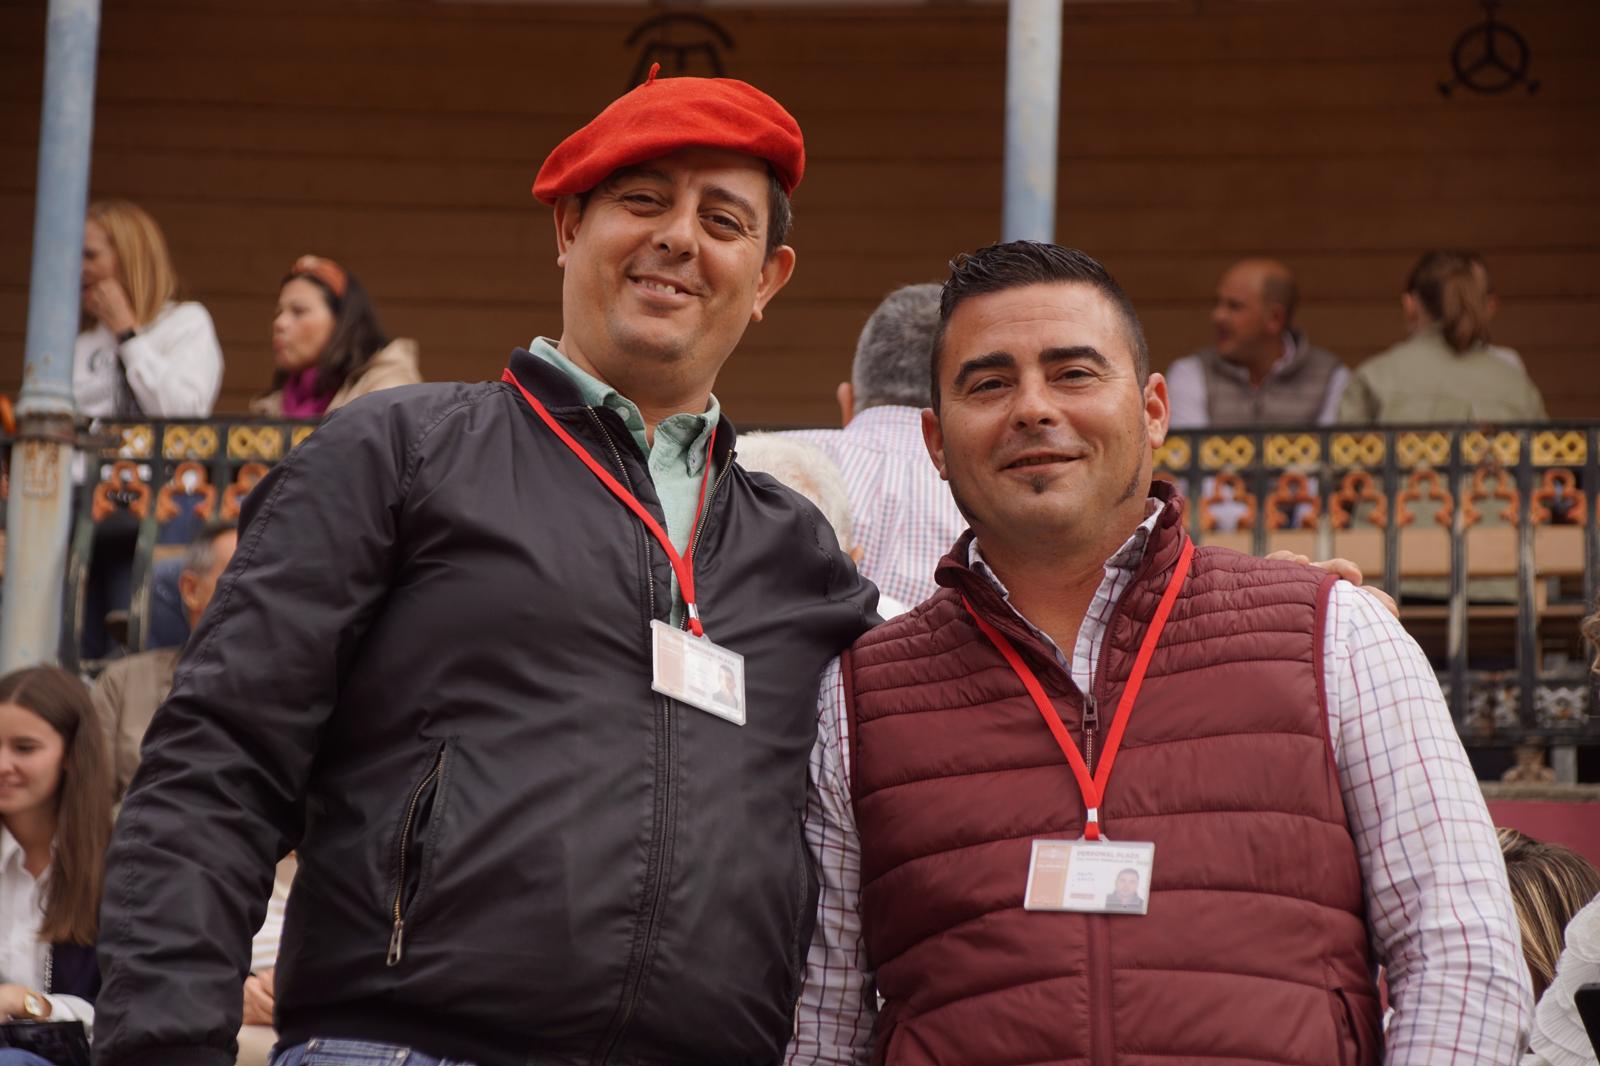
904 515
1048 421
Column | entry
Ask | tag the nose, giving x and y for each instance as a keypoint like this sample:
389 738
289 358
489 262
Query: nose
1031 403
677 231
1219 314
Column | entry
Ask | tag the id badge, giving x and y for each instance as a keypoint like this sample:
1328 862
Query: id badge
695 671
1095 876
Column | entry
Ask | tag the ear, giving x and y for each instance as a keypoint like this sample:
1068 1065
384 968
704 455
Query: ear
189 592
569 212
1157 411
1412 309
775 274
933 439
846 395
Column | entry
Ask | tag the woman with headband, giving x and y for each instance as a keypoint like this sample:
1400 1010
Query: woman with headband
328 345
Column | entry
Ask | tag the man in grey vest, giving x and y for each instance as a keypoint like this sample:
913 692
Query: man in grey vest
1261 370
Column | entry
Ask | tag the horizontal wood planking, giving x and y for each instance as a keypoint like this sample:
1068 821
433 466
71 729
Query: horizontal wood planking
403 140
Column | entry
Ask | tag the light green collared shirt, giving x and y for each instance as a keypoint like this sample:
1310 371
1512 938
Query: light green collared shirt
677 457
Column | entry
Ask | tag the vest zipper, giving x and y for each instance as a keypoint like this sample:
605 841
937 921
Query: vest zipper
397 938
1091 722
655 865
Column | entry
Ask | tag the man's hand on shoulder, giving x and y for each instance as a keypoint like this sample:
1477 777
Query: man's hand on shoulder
1341 568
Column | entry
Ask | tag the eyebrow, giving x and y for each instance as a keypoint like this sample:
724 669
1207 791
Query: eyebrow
1049 357
728 196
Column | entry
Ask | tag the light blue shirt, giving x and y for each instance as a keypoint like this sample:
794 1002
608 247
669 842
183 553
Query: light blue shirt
677 457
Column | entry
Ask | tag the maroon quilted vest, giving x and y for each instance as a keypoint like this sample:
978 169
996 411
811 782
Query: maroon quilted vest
1255 946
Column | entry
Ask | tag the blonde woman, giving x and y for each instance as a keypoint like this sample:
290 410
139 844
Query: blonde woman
141 353
1447 370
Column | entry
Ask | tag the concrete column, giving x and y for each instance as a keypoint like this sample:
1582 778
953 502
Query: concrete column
39 512
1033 95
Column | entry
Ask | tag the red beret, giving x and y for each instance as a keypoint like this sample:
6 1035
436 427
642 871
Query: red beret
662 116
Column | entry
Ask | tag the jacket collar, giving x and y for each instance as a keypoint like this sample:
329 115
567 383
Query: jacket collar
560 394
1161 555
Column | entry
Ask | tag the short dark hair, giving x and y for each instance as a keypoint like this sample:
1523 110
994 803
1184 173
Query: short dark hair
201 552
1015 264
780 212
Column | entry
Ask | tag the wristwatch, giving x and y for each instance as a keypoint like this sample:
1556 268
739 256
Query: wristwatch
32 1005
127 335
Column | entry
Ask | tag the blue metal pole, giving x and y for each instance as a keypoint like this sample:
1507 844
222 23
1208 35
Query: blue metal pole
1033 95
40 507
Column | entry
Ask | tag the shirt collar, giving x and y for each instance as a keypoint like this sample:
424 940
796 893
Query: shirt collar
684 434
1127 557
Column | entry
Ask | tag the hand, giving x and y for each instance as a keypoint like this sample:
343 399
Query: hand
106 301
258 998
1345 569
11 1005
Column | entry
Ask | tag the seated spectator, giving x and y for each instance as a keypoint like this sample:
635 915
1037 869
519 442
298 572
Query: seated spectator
1549 884
257 1035
807 470
1559 1037
1261 370
1445 371
140 353
55 821
904 516
328 345
131 689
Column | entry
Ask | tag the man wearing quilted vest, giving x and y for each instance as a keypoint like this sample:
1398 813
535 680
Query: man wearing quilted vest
1288 787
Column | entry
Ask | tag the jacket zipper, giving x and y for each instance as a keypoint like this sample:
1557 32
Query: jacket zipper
397 938
656 865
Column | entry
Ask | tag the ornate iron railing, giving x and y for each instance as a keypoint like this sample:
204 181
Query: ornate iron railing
1489 536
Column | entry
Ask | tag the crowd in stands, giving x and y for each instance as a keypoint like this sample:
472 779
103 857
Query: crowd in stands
142 353
68 752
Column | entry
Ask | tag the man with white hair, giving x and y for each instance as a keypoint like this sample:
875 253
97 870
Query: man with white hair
809 471
904 516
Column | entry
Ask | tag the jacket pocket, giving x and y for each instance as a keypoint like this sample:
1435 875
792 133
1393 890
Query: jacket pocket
414 844
1346 1029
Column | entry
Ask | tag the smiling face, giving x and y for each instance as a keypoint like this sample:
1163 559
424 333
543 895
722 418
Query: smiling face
1044 431
301 325
31 753
665 266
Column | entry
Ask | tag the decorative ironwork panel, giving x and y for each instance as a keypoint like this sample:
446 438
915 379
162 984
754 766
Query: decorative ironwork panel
1560 448
1219 452
189 442
263 443
1505 447
1293 449
1356 449
1418 449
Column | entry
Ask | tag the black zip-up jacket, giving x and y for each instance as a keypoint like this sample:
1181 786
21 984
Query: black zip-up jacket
428 669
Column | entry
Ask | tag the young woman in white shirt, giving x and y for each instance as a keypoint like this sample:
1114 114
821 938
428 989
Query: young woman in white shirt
140 353
55 822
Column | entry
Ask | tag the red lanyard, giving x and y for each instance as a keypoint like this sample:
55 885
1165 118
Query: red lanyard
682 565
1094 788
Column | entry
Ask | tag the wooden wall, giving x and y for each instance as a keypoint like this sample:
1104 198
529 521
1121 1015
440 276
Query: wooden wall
401 137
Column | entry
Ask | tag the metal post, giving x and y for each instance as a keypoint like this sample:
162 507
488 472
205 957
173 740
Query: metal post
1033 98
41 476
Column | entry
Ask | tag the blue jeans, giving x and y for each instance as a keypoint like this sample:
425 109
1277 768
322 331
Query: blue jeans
319 1052
10 1056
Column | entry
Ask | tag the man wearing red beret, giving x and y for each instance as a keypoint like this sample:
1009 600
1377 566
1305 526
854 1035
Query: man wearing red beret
526 671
